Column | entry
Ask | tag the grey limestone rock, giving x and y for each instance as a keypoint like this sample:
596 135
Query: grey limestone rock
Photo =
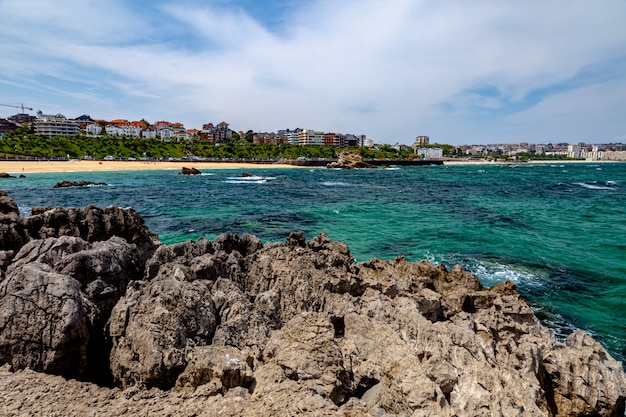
236 327
155 324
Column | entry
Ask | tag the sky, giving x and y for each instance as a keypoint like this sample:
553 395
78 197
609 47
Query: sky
460 72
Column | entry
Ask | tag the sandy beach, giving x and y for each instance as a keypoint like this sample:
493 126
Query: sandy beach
23 167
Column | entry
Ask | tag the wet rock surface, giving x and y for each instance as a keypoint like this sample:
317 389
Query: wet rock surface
66 184
236 327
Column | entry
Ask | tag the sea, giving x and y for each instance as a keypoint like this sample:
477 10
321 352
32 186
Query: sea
558 230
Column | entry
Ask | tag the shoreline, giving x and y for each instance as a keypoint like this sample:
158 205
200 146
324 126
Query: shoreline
18 167
73 165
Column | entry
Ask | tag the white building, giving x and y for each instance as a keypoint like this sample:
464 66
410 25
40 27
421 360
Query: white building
166 134
573 151
113 130
430 153
93 129
149 134
310 137
55 125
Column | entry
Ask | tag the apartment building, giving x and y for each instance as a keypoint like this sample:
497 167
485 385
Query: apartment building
55 125
219 133
310 137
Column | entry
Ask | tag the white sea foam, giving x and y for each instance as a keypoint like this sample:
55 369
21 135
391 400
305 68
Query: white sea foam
491 273
255 179
242 181
593 186
337 184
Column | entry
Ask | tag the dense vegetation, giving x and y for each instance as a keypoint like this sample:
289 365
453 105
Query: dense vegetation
23 144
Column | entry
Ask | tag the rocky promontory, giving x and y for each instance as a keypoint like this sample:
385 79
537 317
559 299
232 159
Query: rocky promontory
349 160
98 318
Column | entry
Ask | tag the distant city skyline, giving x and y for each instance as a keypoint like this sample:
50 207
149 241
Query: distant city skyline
459 72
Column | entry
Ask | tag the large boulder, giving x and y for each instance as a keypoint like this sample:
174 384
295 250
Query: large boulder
190 171
43 321
74 284
8 206
156 324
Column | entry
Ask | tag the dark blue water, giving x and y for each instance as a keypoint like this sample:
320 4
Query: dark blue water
558 231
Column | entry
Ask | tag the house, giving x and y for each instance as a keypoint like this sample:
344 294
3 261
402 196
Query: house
7 126
93 129
215 134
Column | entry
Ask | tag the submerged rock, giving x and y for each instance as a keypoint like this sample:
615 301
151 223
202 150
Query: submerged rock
235 327
66 184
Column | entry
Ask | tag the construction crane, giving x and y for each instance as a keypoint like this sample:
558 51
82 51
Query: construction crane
21 106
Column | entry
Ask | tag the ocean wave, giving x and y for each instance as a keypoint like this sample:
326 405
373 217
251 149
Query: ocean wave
337 184
593 186
245 181
254 179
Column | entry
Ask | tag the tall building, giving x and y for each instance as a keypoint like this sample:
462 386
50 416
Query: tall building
55 125
421 141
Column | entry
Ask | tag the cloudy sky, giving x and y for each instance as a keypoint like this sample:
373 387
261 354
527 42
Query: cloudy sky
459 71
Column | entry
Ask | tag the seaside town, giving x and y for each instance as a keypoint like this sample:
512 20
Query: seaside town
54 125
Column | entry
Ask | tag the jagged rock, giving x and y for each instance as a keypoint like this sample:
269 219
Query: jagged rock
235 327
43 321
39 210
584 379
76 284
348 160
6 175
66 184
190 171
8 206
306 350
219 367
155 324
91 224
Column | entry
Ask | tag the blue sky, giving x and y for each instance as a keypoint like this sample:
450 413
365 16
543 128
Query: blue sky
461 72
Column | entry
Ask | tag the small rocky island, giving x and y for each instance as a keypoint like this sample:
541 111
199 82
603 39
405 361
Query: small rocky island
66 184
349 159
97 317
190 171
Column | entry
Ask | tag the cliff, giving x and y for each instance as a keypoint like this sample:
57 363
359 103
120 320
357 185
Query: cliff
98 318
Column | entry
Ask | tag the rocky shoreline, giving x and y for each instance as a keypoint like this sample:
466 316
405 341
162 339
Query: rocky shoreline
97 317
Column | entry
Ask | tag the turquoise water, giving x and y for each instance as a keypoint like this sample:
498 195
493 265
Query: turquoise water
558 231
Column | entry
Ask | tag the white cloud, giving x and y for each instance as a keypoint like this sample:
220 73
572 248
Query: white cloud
391 70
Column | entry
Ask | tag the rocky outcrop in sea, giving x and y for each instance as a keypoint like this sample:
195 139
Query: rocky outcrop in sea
98 317
349 160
